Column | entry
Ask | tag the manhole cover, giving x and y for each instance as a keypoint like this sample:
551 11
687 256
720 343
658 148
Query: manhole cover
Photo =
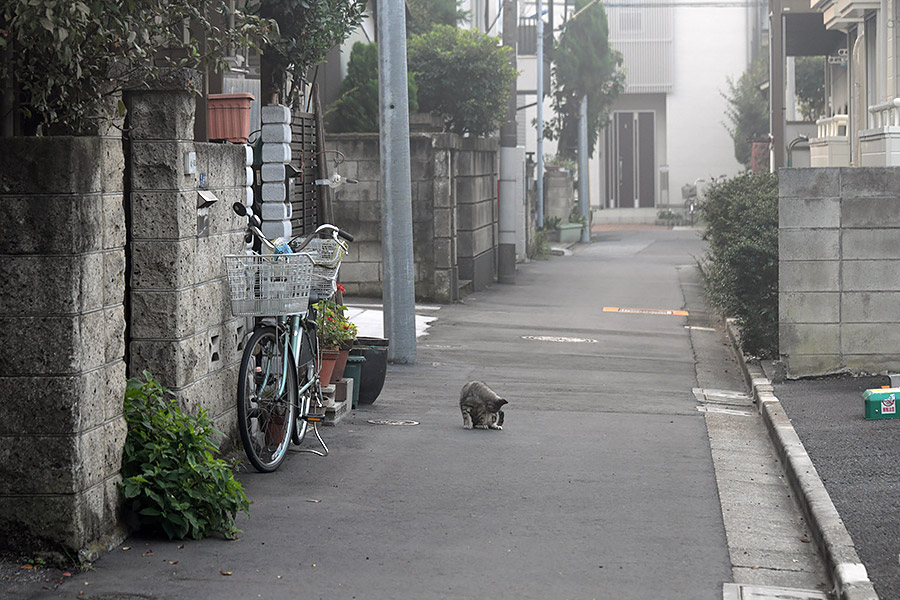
561 340
392 422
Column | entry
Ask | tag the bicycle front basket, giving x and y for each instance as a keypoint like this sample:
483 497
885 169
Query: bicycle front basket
272 284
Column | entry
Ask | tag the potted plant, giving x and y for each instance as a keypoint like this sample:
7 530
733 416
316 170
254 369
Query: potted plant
336 335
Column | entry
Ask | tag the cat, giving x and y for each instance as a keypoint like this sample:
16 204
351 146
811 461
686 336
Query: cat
480 406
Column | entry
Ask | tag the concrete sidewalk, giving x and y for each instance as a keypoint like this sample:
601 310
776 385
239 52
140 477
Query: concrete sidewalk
843 471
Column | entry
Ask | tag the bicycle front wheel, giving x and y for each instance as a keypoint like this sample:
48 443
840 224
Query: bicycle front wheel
267 400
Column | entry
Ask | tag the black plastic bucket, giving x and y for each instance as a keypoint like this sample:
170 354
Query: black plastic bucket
371 378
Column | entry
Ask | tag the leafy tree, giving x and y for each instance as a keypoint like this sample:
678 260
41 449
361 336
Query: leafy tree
61 59
584 65
464 76
809 79
307 30
357 108
425 14
748 110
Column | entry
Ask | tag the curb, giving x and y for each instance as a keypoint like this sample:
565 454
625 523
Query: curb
848 574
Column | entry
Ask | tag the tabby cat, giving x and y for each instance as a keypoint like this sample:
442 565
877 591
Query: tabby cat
480 406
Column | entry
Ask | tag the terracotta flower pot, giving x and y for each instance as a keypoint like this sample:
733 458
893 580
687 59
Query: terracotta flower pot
339 365
229 117
326 369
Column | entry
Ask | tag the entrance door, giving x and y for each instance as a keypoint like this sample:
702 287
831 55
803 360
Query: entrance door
631 160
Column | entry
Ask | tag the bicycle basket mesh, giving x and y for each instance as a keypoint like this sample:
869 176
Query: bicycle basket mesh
326 255
270 284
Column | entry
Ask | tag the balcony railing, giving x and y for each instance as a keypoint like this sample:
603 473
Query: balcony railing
835 126
886 114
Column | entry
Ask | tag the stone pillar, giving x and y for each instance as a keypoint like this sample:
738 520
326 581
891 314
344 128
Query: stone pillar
182 226
62 369
276 153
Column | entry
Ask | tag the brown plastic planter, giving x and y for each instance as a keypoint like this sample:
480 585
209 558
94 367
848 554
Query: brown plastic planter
229 117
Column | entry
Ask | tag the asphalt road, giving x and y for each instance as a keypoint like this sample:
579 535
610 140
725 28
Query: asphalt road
601 485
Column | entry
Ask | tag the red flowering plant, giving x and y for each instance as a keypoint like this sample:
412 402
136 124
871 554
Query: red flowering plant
335 330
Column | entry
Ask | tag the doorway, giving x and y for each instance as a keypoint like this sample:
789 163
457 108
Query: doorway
631 160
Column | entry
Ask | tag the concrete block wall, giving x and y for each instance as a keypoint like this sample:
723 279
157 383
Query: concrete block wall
182 329
62 368
477 175
839 270
559 195
454 214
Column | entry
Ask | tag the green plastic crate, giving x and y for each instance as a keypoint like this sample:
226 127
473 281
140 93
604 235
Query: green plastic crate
881 403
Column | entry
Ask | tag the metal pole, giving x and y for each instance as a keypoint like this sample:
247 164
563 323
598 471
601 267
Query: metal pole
584 200
540 113
396 193
509 163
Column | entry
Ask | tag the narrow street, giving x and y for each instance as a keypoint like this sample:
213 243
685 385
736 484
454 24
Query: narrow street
601 485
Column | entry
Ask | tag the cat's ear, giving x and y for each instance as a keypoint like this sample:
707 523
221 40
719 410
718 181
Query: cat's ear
501 401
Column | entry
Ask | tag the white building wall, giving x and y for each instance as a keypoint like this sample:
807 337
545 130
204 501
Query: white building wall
710 45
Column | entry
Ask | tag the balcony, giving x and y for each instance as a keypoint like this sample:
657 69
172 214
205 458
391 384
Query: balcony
831 146
880 145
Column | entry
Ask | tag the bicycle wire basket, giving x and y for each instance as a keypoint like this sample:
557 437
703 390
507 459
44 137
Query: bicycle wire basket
326 255
269 285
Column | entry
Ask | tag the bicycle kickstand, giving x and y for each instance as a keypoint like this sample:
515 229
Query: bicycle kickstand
314 419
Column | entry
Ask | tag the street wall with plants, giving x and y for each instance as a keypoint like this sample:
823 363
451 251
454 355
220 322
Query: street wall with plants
103 277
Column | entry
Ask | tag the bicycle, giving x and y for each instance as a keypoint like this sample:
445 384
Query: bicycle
278 379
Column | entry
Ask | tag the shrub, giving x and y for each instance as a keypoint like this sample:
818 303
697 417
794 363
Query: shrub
741 266
356 110
171 478
463 76
64 59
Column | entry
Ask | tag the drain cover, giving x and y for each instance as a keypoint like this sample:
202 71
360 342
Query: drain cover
392 422
562 340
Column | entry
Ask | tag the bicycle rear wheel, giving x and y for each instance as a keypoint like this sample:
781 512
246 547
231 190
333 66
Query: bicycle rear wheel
266 408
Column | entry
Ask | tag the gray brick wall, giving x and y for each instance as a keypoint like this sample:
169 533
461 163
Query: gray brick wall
454 189
62 369
182 329
839 270
69 232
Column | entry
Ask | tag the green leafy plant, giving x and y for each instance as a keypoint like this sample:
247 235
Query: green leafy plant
464 76
550 224
62 60
577 217
333 327
748 110
170 476
425 14
556 160
741 265
357 109
810 82
584 65
306 31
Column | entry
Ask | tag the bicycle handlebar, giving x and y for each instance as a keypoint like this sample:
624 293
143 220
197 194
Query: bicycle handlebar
254 225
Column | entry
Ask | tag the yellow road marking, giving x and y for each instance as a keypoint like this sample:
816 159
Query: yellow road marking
647 311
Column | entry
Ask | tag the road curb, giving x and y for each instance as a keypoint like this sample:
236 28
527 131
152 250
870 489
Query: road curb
848 574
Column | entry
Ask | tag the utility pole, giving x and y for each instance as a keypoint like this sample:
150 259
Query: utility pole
396 193
584 187
509 163
540 113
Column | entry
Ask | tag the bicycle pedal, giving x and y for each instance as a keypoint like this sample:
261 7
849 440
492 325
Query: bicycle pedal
314 417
